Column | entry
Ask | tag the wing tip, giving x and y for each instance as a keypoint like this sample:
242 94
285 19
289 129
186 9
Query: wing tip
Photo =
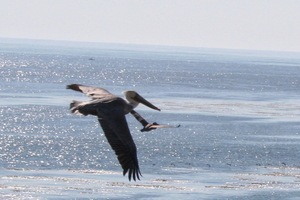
70 86
74 87
133 173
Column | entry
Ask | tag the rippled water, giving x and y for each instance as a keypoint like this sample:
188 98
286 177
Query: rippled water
238 111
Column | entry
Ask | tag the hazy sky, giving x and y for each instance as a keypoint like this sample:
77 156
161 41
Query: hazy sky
234 24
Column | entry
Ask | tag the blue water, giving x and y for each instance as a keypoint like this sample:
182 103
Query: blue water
238 110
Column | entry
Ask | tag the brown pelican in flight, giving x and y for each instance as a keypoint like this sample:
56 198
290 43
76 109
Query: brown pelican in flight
111 111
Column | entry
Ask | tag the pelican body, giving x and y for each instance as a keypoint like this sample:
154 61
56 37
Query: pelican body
111 111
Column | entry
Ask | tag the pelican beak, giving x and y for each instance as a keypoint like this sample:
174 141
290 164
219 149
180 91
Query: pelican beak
140 99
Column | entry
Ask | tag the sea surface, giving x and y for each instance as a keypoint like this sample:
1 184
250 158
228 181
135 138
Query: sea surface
238 110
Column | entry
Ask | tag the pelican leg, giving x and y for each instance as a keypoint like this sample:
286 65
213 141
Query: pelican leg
147 125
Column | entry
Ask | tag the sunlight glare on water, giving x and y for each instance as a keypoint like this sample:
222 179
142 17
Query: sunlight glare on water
238 111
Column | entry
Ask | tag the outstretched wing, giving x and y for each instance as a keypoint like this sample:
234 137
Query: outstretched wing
147 125
93 92
116 130
139 118
153 126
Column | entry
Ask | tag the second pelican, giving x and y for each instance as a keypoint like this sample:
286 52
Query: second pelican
111 111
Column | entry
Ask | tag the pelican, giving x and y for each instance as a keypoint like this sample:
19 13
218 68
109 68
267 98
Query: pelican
111 111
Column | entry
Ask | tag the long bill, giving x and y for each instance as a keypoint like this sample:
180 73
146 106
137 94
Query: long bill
140 99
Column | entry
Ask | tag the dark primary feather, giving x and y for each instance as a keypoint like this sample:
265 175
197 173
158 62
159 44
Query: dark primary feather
118 135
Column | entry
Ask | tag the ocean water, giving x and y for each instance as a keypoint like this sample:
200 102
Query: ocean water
239 113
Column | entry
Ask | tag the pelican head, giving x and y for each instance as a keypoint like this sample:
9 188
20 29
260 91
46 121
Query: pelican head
134 99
